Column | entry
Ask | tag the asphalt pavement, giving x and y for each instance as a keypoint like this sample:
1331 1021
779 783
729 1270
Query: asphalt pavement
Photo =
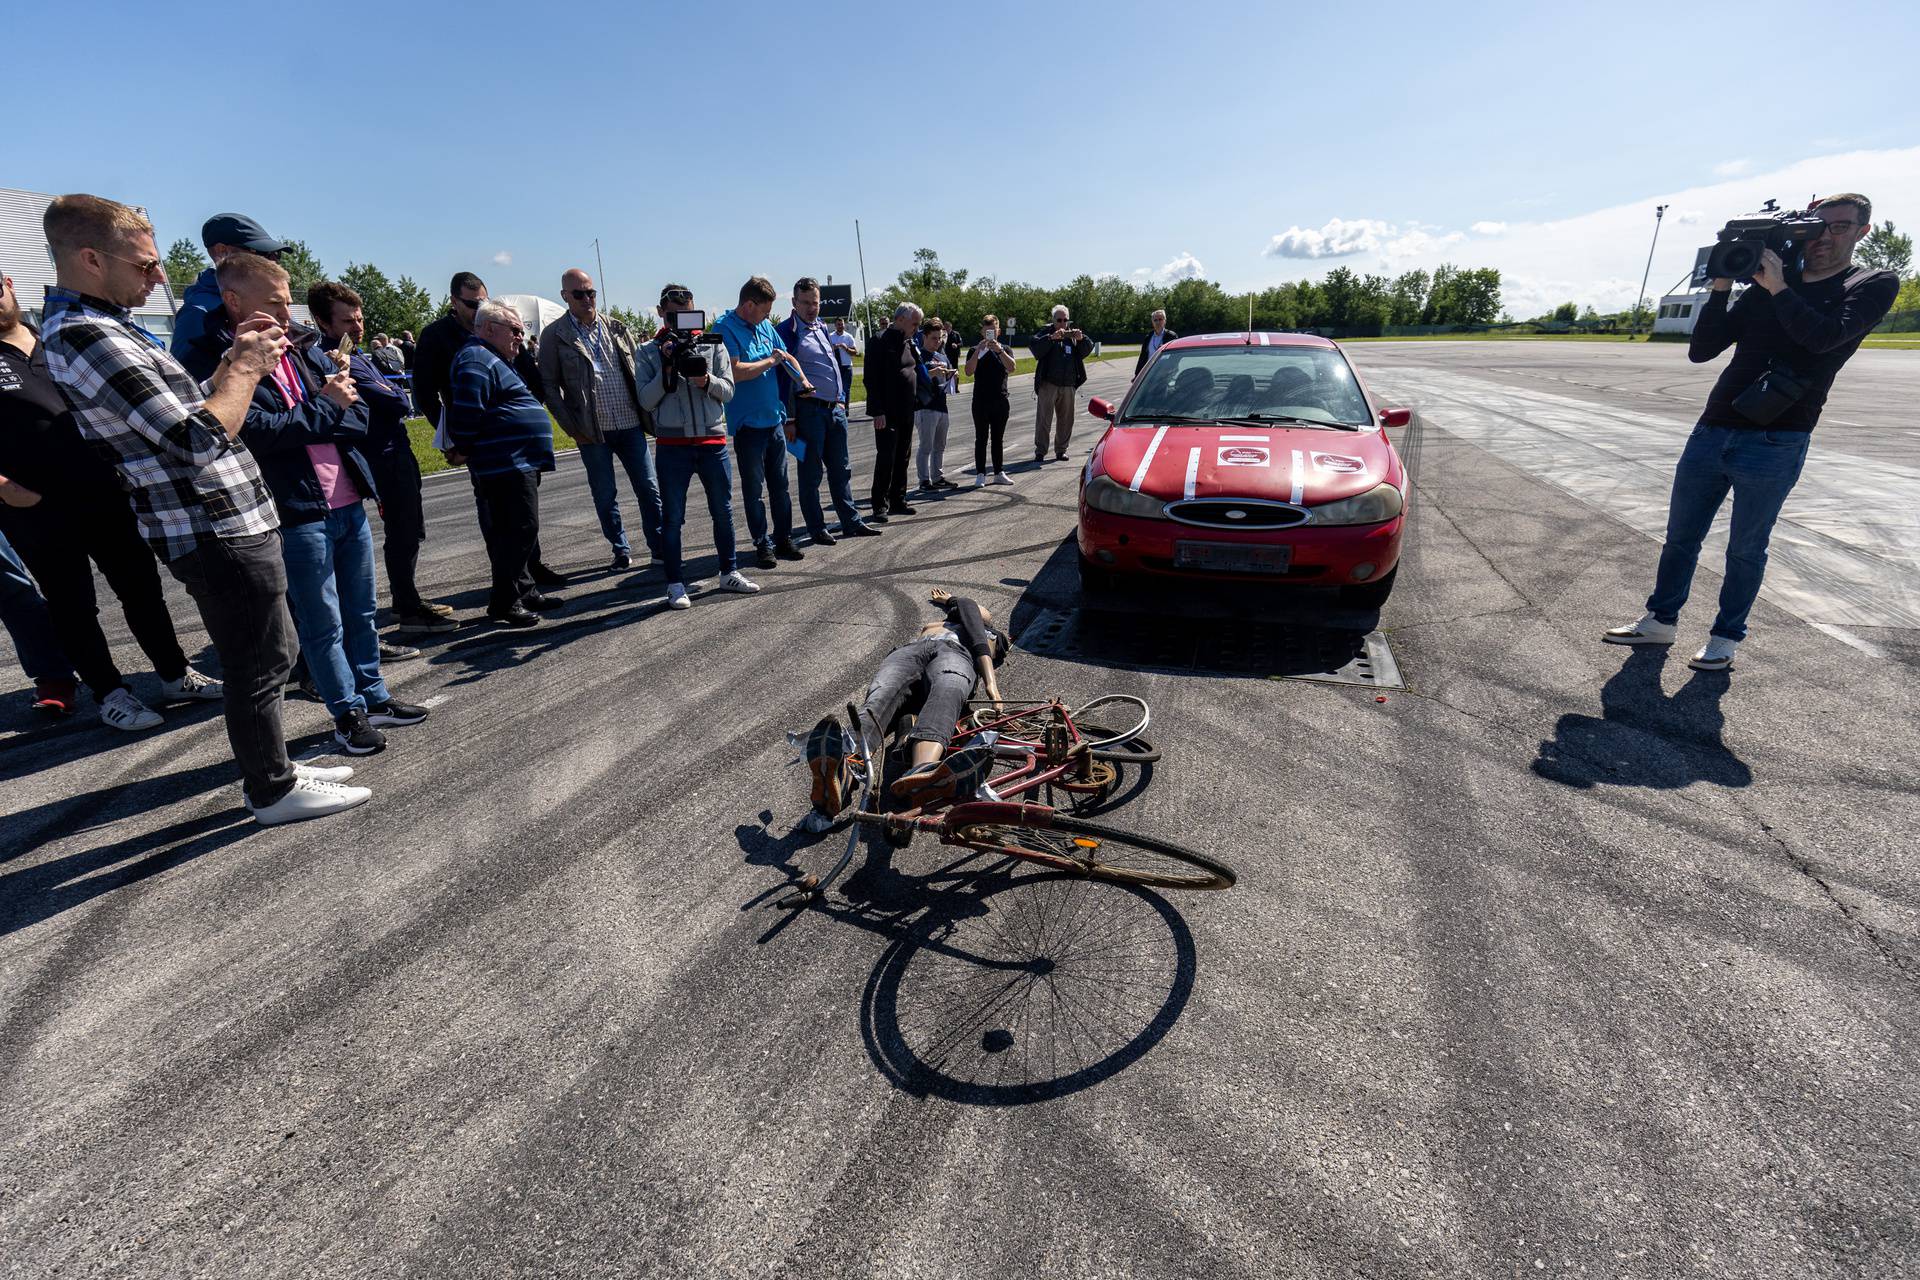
1562 959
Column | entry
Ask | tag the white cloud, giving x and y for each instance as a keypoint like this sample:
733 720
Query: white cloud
1416 242
1340 238
1733 168
1489 228
503 259
1183 267
1687 217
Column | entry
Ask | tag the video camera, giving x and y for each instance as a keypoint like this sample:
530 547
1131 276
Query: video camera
685 330
1736 253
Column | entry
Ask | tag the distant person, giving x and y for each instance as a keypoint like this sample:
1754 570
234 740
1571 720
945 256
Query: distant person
24 616
1060 368
196 489
757 419
388 449
505 438
990 363
407 347
892 369
65 514
1805 321
1160 337
689 421
386 356
844 346
224 234
933 383
587 364
305 425
819 418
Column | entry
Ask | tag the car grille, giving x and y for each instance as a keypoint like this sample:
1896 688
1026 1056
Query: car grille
1236 513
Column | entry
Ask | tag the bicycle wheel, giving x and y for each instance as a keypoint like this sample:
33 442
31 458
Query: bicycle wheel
1120 750
1086 848
1122 709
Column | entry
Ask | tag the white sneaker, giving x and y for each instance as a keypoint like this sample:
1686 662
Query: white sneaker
979 479
1001 477
738 581
124 711
322 773
310 798
1649 630
192 687
677 596
1716 655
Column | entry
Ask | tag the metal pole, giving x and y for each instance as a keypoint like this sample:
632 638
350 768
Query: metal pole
1633 326
866 301
602 267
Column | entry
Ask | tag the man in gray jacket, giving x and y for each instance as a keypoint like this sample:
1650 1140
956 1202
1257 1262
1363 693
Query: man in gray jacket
587 371
689 420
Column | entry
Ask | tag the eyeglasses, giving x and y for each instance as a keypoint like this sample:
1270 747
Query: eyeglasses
471 304
1838 229
583 295
147 265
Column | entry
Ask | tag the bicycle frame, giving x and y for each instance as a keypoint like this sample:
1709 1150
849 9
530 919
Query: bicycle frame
1065 753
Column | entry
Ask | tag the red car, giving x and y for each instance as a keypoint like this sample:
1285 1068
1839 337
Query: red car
1252 457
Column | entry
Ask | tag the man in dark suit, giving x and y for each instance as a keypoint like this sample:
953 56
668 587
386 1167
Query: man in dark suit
1160 336
891 369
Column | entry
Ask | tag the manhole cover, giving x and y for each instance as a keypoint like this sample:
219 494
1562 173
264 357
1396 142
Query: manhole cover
1276 650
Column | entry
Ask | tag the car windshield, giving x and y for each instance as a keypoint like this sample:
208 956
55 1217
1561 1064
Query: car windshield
1208 383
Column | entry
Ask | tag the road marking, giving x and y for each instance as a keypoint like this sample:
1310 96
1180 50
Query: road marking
1146 459
1299 477
1847 637
1193 469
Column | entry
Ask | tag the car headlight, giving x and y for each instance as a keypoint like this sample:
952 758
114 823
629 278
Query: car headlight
1104 494
1377 505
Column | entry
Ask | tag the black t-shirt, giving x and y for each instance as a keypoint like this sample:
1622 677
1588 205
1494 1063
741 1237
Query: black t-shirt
40 443
1810 330
989 378
964 620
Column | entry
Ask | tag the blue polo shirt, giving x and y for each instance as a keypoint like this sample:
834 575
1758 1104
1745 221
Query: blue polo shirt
756 403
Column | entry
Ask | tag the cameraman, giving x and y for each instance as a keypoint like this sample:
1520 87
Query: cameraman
1802 321
690 433
1060 354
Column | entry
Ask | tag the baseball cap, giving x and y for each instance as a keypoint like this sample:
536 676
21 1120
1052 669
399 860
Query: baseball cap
240 231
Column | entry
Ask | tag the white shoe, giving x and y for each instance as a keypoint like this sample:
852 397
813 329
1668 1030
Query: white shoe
322 773
1649 630
124 711
677 596
310 798
1001 477
738 581
192 687
1716 655
979 479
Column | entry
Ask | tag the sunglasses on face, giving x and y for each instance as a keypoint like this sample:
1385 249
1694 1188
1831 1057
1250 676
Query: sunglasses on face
471 304
583 295
147 265
677 295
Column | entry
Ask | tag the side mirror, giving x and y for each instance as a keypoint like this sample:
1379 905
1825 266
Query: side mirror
1101 409
1395 417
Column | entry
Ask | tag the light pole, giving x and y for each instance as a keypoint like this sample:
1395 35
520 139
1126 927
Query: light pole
1660 211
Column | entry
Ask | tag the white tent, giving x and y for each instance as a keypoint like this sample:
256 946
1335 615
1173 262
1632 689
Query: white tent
535 312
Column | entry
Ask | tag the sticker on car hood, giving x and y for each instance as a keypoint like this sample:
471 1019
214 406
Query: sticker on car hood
1339 464
1244 455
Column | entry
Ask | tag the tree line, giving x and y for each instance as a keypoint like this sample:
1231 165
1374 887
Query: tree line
1111 306
390 306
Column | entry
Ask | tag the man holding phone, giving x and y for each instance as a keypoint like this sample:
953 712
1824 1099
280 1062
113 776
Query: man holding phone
818 425
1060 354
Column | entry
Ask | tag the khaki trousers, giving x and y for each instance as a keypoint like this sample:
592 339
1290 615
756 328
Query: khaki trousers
1055 406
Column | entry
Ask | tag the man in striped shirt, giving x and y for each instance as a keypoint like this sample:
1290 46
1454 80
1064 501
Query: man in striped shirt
196 491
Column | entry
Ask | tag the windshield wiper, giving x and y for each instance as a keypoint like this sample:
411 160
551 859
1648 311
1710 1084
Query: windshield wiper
1268 419
1165 417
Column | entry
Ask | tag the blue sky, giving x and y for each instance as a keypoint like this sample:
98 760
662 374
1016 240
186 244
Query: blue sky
1254 143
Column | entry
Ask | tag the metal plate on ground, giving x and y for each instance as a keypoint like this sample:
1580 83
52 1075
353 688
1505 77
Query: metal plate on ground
1238 647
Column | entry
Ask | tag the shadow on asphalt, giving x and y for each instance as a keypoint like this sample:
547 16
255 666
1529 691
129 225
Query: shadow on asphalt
1642 737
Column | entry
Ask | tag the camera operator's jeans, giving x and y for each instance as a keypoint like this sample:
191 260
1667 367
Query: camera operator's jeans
677 465
823 426
629 448
1760 468
763 463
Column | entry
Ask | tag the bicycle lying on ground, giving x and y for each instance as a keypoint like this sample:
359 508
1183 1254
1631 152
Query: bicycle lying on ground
1037 747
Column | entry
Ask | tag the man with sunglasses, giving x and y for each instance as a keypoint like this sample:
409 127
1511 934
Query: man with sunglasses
587 368
1791 332
224 234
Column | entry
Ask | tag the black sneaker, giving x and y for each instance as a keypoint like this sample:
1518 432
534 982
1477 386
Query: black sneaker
622 561
356 736
1061 456
764 557
899 509
513 617
878 517
395 712
861 530
393 652
423 620
787 551
823 538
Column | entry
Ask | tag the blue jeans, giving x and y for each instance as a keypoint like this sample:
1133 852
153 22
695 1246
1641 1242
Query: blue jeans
630 449
24 614
1760 469
823 426
678 465
330 586
763 462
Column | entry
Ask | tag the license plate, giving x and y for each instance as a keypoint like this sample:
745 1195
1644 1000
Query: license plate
1231 557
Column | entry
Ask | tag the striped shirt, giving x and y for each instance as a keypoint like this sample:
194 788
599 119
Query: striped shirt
137 406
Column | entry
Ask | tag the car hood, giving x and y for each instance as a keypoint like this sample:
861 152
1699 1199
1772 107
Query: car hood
1280 464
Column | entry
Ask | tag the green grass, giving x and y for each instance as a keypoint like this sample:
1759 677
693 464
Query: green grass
1895 341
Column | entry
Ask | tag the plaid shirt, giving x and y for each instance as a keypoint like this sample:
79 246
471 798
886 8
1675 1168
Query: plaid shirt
613 407
136 405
